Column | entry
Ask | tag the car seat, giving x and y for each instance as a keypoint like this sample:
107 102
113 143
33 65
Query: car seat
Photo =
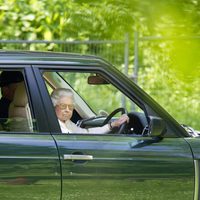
20 119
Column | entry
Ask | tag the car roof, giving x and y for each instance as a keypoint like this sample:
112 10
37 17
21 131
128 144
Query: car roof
39 57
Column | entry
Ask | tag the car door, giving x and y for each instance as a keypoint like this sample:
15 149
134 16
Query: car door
121 166
125 167
29 162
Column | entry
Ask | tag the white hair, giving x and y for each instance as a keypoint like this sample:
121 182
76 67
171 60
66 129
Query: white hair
58 93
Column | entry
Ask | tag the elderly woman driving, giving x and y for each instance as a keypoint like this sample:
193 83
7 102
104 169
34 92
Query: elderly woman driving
63 101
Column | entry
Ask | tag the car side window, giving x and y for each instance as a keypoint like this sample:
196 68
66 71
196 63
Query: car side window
15 112
94 99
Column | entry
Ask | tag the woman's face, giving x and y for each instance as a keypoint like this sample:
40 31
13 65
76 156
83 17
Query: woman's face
64 108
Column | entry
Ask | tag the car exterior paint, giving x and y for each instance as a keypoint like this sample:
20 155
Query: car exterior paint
34 165
29 167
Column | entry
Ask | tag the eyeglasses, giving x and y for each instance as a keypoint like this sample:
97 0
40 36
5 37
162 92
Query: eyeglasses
63 106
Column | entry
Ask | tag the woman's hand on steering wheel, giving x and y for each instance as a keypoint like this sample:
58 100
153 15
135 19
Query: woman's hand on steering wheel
123 119
121 122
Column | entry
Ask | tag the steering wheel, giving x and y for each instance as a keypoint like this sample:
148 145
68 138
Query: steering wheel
112 114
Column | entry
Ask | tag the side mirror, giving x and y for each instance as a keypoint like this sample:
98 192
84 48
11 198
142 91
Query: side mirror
97 80
157 127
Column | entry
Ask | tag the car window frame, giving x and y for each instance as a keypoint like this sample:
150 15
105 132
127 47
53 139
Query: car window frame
39 69
131 90
32 94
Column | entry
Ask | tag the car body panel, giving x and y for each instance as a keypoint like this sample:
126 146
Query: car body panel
194 143
126 167
29 166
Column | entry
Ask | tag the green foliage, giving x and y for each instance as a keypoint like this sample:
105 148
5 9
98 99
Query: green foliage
169 72
178 61
180 99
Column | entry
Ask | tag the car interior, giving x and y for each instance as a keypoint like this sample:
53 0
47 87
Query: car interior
85 116
19 117
19 111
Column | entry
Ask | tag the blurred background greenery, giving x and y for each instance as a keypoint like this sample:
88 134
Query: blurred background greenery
168 61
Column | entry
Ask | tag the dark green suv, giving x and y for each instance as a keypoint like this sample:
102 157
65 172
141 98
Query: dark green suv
151 157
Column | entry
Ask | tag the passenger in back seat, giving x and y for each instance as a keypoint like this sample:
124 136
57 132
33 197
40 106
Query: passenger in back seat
8 84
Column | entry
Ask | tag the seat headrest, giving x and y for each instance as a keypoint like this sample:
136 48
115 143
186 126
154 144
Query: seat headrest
20 96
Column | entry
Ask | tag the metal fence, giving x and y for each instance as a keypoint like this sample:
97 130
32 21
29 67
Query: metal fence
114 51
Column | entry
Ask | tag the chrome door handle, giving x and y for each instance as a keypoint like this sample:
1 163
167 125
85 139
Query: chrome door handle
77 157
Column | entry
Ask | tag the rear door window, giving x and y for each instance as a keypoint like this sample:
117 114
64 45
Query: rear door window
15 107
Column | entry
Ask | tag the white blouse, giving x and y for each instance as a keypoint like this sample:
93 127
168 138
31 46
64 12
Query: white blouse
70 127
